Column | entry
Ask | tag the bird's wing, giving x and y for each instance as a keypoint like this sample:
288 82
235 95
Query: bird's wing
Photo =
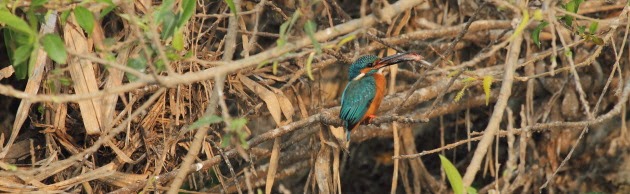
356 100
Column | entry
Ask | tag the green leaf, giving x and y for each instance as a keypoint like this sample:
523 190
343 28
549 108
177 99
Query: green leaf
163 10
453 73
232 6
41 109
65 81
238 124
274 68
168 25
536 32
206 120
225 140
188 54
36 3
487 84
32 19
260 65
54 46
33 59
346 40
283 34
454 178
178 40
85 18
310 27
111 6
571 6
15 22
597 40
294 17
568 53
139 63
11 167
471 190
64 16
188 9
581 30
593 27
160 65
309 66
469 80
460 94
171 54
21 54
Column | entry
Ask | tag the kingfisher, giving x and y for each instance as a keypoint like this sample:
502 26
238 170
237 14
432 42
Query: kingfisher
366 87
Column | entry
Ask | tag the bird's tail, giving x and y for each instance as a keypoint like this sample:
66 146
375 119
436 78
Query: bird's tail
347 127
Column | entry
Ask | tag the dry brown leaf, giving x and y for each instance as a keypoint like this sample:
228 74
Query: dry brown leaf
338 132
121 155
6 72
266 95
285 105
323 175
83 77
114 79
301 105
335 169
18 150
98 36
396 153
273 165
61 166
409 147
244 37
150 120
173 104
98 173
59 122
120 179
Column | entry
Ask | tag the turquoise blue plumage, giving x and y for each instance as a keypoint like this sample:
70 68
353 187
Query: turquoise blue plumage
366 88
355 101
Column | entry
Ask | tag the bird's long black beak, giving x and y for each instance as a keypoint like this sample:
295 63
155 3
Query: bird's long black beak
399 58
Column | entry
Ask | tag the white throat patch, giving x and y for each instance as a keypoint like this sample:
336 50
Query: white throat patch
358 77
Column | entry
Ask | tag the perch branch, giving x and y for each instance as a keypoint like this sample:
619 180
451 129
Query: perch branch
499 108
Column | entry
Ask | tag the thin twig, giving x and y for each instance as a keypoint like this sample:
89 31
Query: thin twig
499 108
448 52
624 14
195 146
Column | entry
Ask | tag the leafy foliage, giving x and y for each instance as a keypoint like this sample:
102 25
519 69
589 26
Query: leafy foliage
536 32
454 178
139 63
310 28
232 6
309 66
85 18
572 6
237 133
207 120
54 46
487 83
21 42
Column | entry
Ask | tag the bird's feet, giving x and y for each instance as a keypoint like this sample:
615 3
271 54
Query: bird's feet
370 119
